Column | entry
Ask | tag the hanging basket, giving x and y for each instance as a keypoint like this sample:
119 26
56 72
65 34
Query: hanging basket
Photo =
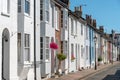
53 45
72 57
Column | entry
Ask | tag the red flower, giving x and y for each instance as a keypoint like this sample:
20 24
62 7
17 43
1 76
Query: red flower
53 45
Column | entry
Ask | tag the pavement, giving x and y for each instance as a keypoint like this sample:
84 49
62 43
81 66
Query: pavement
80 75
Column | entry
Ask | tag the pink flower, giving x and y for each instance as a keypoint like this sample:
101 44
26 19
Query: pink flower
53 45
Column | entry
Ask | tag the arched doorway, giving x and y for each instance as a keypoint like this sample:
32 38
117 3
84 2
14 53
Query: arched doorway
5 54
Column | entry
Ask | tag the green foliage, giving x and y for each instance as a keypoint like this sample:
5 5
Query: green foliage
61 56
99 58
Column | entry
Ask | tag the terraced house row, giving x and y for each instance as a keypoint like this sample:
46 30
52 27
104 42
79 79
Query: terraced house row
33 32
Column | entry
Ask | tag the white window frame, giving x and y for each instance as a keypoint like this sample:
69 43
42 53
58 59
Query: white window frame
57 17
5 8
72 26
66 47
81 29
66 18
47 56
72 49
82 51
53 18
41 9
86 32
47 10
76 27
27 47
19 6
19 47
87 50
28 13
41 48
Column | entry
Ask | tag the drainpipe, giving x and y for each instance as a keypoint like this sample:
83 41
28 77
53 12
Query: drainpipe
68 44
35 76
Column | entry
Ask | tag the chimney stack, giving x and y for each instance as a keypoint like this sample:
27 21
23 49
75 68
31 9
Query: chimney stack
89 19
80 8
94 23
78 11
101 28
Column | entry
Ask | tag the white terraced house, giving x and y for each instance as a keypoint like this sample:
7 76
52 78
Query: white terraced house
28 22
17 40
76 41
8 40
54 28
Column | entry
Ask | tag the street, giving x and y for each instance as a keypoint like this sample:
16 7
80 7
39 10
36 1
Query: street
110 73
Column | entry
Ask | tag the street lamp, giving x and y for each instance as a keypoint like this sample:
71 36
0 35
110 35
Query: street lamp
95 40
112 43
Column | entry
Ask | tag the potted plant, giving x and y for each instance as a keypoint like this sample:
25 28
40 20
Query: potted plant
60 57
99 60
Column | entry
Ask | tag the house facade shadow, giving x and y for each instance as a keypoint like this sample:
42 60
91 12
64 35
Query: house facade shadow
116 76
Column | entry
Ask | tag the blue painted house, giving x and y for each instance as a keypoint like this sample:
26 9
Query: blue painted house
92 53
92 29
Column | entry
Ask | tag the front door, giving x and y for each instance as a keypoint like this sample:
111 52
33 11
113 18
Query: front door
5 55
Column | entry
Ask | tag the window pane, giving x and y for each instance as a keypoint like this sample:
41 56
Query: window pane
81 29
47 10
47 15
41 47
72 29
41 9
27 48
27 40
41 53
19 5
26 55
81 51
47 48
6 6
47 54
27 6
19 47
52 16
41 14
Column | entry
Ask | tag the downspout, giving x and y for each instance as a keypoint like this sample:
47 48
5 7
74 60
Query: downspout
68 44
35 76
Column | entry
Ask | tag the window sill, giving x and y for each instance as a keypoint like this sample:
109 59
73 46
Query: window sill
27 63
74 34
57 29
5 14
27 15
47 61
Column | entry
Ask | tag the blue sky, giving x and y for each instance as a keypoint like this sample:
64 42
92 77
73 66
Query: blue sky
106 12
